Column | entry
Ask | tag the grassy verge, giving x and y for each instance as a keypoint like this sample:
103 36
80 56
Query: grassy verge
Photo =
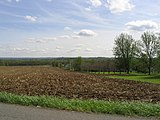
109 107
143 78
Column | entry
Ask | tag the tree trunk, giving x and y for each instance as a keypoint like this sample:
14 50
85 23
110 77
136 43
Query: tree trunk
127 67
149 70
149 67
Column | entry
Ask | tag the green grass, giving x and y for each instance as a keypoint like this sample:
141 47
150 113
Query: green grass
153 78
140 77
109 107
108 73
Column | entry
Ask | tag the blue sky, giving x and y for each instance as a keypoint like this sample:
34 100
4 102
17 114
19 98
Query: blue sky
69 28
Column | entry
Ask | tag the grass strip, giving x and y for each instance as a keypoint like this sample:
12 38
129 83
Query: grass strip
109 107
153 78
144 78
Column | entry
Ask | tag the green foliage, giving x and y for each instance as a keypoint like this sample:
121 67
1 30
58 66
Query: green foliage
109 107
138 66
148 48
157 63
25 62
124 51
77 64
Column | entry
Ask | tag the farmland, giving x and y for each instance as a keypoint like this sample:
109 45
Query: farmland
51 81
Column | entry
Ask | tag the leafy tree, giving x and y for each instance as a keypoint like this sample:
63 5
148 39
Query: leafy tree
138 66
124 51
55 63
148 48
77 64
157 63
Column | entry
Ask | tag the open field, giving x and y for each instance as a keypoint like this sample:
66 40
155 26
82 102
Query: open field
57 82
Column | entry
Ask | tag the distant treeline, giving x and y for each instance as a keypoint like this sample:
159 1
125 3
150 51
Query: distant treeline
104 65
76 64
25 62
97 64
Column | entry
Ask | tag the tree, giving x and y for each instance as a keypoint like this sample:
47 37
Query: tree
157 62
138 66
77 64
148 48
124 51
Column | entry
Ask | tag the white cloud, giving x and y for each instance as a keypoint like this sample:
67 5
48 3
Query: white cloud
20 49
74 50
88 9
42 50
118 6
75 36
18 0
30 40
31 18
58 48
79 45
13 0
142 25
67 29
41 40
36 40
86 32
96 3
88 50
50 38
49 0
65 37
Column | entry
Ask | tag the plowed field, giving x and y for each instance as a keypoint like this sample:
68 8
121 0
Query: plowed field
58 82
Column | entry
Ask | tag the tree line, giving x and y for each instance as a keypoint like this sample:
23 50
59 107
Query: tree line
130 55
144 52
25 62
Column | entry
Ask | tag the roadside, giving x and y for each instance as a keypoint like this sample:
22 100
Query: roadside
16 112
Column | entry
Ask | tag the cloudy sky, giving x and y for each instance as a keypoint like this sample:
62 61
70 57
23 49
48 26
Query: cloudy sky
56 28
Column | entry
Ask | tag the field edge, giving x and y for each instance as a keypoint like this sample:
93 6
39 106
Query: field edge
96 106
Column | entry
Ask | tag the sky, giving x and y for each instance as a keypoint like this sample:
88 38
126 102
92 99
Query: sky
71 28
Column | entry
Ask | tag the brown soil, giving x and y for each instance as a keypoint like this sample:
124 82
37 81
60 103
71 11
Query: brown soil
58 82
